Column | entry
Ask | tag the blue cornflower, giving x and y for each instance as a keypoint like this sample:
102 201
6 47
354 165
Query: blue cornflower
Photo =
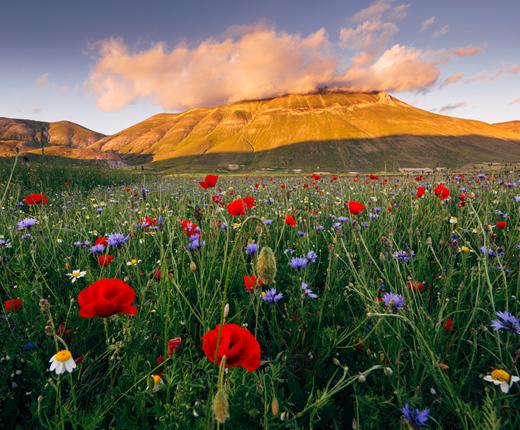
5 243
342 219
271 296
29 346
308 292
251 248
394 301
26 236
336 226
97 249
517 199
26 223
268 221
298 262
80 244
373 216
507 322
195 243
415 417
301 233
402 256
117 239
312 256
319 228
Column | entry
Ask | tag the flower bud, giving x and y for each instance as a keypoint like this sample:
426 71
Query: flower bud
275 407
221 406
193 266
266 265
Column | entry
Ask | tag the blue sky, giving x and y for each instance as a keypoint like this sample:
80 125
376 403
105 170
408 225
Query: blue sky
109 64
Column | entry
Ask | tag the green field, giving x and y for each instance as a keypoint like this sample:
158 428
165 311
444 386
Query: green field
406 292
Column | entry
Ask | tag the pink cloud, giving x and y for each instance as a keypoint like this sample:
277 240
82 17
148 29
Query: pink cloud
467 51
515 101
453 79
427 23
452 106
441 31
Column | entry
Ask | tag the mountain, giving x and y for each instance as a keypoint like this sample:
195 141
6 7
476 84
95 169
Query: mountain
329 131
513 126
62 138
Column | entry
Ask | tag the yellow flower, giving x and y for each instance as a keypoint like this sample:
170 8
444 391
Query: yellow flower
453 220
464 249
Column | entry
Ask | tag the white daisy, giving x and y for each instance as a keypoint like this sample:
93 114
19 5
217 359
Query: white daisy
502 378
62 361
133 262
76 274
155 383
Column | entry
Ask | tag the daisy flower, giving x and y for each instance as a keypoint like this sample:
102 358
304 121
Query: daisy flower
62 361
502 378
155 383
76 274
133 262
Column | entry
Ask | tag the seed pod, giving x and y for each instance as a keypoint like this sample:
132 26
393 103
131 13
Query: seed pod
266 265
45 306
221 406
193 266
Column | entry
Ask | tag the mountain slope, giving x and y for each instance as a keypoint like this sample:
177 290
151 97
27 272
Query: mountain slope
513 126
334 130
61 137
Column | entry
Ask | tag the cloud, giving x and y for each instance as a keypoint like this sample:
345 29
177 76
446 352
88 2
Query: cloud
452 106
427 23
42 81
453 79
441 31
468 51
515 101
486 77
259 61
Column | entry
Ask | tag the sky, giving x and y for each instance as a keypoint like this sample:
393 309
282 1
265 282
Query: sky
110 64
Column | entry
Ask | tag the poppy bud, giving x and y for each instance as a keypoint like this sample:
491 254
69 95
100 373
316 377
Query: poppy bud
226 310
221 406
193 267
266 265
275 407
44 306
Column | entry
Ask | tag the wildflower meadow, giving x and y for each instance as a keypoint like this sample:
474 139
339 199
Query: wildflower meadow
245 302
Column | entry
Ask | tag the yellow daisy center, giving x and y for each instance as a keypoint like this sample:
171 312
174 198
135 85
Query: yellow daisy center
76 274
500 375
133 261
156 379
63 355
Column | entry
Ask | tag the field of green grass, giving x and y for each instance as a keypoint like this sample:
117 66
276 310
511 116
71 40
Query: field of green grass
259 302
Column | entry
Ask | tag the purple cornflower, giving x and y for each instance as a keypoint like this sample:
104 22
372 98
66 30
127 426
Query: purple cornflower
251 248
268 221
319 228
312 256
394 301
26 236
80 244
117 239
195 243
336 226
99 210
97 249
342 219
415 417
517 199
298 262
308 292
402 256
5 243
507 322
144 192
26 223
373 216
271 296
301 233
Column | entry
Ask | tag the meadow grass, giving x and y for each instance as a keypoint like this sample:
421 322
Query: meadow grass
341 360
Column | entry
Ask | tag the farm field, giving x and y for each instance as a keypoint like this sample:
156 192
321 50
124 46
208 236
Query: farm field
244 302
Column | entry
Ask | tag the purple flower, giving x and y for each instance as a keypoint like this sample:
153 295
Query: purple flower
517 199
26 223
507 322
26 236
319 228
394 301
301 233
5 243
80 244
117 239
298 262
251 248
342 219
271 296
308 292
415 417
195 243
97 249
268 221
312 256
402 256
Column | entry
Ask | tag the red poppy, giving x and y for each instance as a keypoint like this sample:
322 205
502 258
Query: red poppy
334 178
373 177
441 191
173 345
420 192
282 185
67 184
290 221
147 222
36 199
419 178
191 229
107 297
250 202
236 208
12 305
415 285
236 343
448 325
105 260
355 208
315 176
501 225
251 282
209 181
102 240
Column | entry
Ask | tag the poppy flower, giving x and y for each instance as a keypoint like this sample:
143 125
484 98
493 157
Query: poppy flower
251 282
290 221
12 305
190 228
420 192
102 240
236 208
36 199
250 202
315 176
67 184
415 285
237 343
448 325
105 260
209 181
373 177
107 297
355 208
441 191
501 225
173 345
